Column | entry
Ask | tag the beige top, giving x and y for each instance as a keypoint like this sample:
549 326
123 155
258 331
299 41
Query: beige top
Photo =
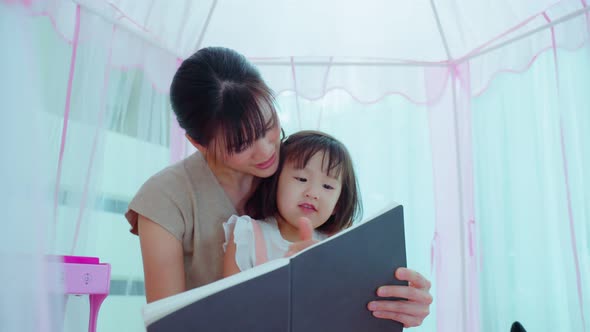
188 201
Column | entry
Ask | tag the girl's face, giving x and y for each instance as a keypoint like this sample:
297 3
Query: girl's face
307 192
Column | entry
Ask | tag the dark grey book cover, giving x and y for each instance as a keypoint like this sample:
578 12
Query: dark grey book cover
325 288
259 304
333 283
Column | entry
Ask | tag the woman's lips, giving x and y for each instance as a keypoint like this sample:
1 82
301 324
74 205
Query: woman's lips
268 163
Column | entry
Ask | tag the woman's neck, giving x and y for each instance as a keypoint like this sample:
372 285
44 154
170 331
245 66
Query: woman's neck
238 186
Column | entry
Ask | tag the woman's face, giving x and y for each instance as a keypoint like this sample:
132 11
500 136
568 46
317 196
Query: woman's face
261 159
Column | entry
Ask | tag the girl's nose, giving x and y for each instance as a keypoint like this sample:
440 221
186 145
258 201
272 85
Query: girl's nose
311 194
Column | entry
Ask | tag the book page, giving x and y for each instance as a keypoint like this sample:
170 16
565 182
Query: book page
161 308
358 224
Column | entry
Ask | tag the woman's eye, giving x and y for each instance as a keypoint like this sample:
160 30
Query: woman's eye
241 148
269 126
329 187
300 179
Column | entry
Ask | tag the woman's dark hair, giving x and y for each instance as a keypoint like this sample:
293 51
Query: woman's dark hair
298 149
217 93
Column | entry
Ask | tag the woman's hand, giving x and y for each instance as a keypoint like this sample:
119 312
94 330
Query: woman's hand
411 312
305 236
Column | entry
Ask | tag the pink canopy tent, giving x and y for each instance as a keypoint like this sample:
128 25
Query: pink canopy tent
432 59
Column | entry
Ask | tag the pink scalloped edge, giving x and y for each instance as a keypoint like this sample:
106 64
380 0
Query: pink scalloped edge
509 31
523 69
124 16
54 24
371 101
157 87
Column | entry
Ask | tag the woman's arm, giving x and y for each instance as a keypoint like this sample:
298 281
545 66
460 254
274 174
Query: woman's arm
163 264
230 267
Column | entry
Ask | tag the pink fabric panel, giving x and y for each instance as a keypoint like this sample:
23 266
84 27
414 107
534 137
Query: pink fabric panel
66 114
294 73
567 187
158 64
447 251
585 4
464 145
95 142
177 138
177 141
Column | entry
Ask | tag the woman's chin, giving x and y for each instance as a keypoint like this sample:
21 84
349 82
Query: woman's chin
265 172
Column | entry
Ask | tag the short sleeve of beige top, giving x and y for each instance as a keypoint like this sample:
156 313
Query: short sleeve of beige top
187 200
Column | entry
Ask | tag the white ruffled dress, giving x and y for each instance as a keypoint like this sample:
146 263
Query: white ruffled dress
257 241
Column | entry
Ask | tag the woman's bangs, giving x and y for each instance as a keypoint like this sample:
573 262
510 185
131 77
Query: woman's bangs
256 116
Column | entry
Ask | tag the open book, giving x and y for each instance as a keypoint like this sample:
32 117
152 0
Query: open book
325 287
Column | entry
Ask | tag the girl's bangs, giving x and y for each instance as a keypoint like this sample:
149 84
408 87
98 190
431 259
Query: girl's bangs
301 152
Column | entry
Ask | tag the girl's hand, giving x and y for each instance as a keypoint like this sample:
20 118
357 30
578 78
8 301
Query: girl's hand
305 236
411 312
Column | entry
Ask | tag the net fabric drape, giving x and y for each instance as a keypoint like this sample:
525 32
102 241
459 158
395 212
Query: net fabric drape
28 284
488 153
530 248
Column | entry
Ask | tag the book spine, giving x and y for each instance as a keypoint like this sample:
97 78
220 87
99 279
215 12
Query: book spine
290 302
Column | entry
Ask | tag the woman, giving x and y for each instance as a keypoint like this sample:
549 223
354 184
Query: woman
228 113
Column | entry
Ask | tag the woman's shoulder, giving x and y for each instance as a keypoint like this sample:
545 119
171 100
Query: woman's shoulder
164 198
175 177
176 171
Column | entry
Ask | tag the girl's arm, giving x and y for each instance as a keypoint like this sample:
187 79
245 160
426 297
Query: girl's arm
230 267
163 264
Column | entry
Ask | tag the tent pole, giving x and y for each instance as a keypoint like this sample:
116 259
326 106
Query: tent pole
115 22
349 63
451 63
204 30
441 32
147 38
526 34
264 62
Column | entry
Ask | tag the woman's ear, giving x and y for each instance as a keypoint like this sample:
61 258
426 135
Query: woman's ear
202 149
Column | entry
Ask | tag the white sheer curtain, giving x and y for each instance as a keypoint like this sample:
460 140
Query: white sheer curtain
30 299
390 147
84 126
531 149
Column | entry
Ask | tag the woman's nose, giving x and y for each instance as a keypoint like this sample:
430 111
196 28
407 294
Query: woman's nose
264 148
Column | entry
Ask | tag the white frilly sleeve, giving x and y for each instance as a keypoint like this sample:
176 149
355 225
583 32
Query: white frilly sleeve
243 231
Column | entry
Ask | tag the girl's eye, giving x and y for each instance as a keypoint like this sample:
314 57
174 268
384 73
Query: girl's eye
300 179
329 187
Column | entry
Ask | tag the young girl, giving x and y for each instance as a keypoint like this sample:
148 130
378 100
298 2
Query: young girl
315 181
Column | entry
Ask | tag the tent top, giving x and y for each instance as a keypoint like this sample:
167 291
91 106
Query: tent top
419 30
